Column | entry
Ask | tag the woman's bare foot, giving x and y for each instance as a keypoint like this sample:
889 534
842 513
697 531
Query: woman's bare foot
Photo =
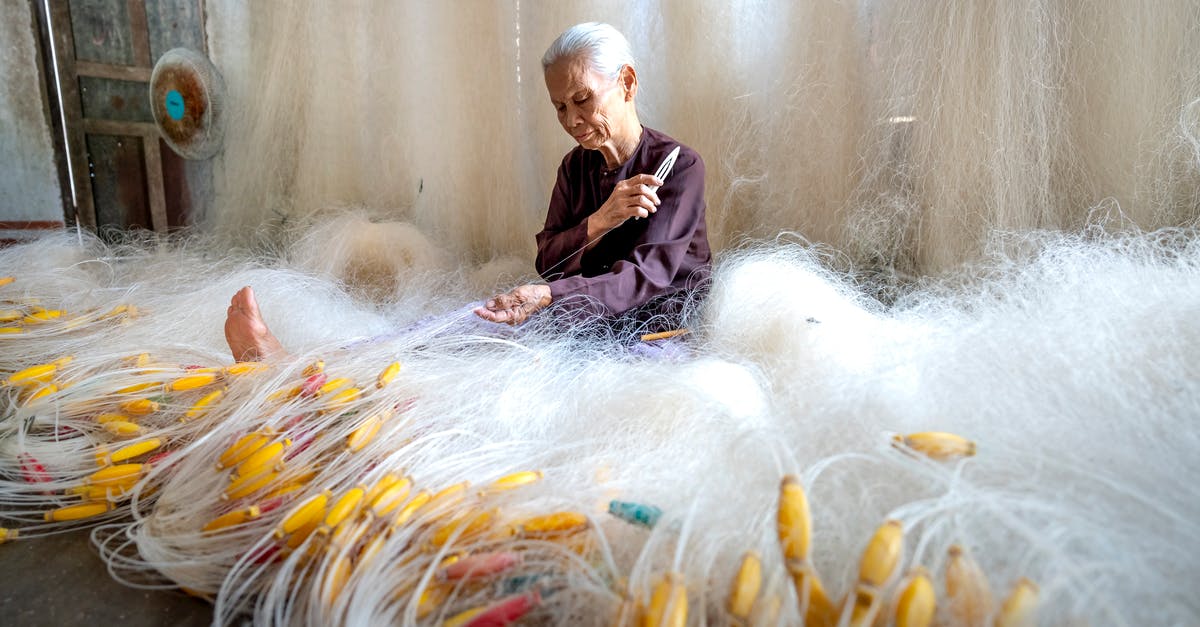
248 336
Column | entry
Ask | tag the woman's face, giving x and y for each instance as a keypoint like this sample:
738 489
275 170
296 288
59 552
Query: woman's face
590 106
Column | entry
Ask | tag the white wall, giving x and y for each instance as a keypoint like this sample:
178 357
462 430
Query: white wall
29 189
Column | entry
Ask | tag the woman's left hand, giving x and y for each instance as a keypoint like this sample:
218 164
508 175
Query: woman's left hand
516 306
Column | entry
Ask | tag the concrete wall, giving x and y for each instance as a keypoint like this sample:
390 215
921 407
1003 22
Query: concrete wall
29 186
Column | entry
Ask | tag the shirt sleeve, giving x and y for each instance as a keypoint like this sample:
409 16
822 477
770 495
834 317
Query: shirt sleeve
651 268
560 244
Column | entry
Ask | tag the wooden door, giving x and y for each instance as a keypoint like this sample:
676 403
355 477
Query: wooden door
122 174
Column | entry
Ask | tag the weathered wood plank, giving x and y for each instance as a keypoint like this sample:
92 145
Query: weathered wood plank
101 30
182 180
119 182
108 99
111 127
118 72
154 184
64 44
174 24
204 23
140 33
30 225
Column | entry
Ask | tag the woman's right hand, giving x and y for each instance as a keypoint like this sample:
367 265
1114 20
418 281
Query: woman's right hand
635 197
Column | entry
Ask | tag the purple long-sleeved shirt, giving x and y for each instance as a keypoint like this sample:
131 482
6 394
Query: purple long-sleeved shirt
640 259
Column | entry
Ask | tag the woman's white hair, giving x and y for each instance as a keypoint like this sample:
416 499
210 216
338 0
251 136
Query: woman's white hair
604 47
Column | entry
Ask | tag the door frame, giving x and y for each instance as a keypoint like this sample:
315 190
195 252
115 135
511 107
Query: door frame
61 72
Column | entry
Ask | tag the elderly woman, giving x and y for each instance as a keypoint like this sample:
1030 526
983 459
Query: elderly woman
617 240
594 247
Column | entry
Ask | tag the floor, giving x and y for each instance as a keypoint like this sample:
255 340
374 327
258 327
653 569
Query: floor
60 580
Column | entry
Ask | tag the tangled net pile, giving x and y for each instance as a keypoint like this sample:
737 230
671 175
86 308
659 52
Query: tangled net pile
448 475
